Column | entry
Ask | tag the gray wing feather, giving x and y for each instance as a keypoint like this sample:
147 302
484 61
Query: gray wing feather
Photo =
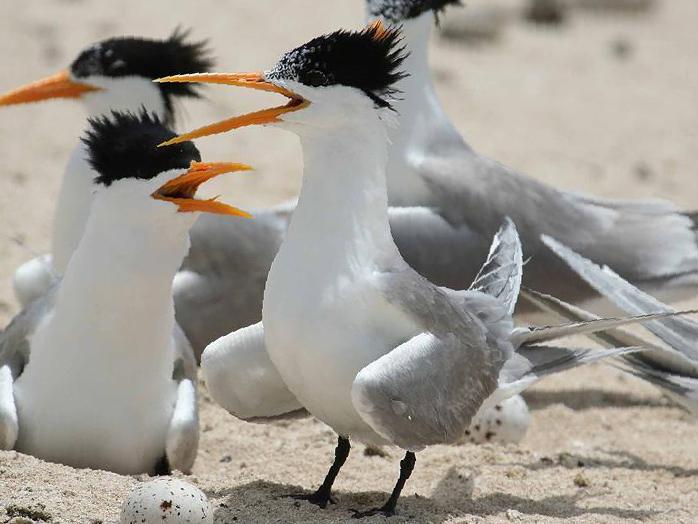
532 335
14 340
501 274
679 333
423 392
648 242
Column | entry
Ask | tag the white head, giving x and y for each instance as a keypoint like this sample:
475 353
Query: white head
342 79
117 75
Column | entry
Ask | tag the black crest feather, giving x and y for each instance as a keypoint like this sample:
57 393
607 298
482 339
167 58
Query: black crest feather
368 60
148 58
397 11
124 145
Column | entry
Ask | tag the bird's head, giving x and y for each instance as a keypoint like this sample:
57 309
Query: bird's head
328 81
397 12
122 150
116 75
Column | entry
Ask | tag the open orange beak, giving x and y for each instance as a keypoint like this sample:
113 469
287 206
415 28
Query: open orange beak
57 86
182 190
249 80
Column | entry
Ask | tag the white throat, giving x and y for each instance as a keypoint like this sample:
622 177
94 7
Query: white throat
423 122
102 361
341 219
75 196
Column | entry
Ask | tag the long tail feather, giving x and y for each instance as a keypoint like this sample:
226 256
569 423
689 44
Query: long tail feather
679 333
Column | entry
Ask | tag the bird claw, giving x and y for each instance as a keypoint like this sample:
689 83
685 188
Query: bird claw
318 498
386 512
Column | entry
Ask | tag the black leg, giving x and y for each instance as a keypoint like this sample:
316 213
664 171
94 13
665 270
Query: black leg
388 509
323 495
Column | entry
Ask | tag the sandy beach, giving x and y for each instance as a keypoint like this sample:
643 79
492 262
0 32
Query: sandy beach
605 103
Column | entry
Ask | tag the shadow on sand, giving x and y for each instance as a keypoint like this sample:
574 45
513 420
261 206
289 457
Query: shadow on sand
452 498
590 398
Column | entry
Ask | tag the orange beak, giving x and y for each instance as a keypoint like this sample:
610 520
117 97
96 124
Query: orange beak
249 80
181 190
57 86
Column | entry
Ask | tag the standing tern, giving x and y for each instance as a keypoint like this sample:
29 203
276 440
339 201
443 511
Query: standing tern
651 243
96 373
221 283
674 368
360 339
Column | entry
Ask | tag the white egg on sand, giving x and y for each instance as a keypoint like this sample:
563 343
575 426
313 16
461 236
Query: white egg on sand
167 501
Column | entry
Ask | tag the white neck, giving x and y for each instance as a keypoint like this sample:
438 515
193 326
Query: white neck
423 122
342 214
75 196
114 307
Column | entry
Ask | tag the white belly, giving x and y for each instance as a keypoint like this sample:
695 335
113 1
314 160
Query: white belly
320 341
100 422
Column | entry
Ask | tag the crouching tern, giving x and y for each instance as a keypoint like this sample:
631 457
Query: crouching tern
220 285
359 338
673 367
96 373
651 243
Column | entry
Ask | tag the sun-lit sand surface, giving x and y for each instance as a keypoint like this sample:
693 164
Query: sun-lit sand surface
557 102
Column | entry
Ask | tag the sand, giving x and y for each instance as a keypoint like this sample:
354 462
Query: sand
557 102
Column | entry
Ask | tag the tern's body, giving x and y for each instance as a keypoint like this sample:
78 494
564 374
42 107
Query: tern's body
324 319
89 383
650 243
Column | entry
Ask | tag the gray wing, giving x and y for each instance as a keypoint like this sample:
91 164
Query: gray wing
182 440
14 340
500 276
446 255
241 377
220 286
426 390
14 356
650 243
679 333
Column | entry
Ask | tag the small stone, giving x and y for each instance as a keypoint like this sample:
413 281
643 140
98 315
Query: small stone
570 461
550 12
514 515
622 49
643 171
374 451
581 481
225 459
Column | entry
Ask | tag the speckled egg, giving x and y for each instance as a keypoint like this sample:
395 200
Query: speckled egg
167 501
505 423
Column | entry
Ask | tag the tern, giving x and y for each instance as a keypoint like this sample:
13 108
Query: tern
674 368
220 286
111 75
651 243
96 372
358 337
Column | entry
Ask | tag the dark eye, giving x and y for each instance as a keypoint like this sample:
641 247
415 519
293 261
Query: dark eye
315 78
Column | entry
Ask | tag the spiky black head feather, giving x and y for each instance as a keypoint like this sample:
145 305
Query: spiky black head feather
124 145
147 58
368 60
397 11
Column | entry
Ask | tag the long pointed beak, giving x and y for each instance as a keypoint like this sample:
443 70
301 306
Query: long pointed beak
59 85
181 190
248 80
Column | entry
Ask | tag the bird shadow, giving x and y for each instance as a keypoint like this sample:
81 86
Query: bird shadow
590 398
452 497
616 460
